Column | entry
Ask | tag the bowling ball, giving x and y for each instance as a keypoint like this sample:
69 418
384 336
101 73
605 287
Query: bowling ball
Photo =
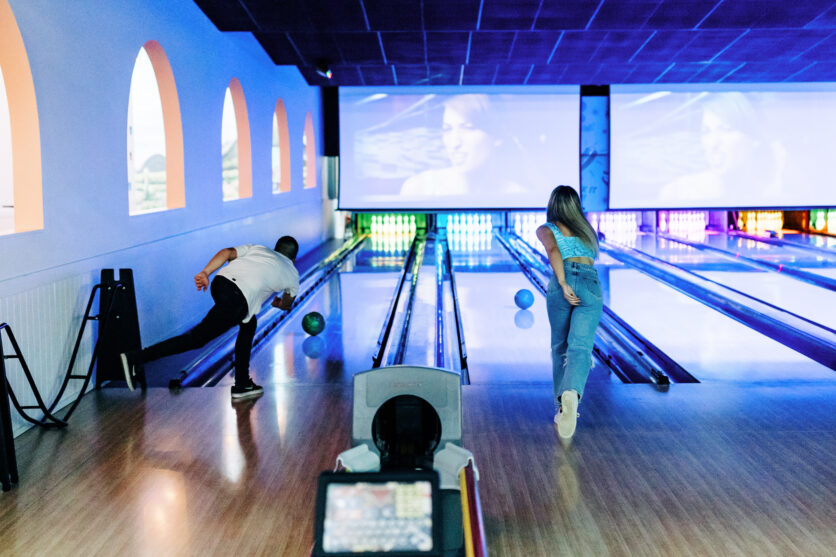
313 323
524 298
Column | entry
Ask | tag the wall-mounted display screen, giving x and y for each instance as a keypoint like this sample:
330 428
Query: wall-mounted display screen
740 145
441 148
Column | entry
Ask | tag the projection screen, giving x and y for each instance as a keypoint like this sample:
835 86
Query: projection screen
733 146
450 148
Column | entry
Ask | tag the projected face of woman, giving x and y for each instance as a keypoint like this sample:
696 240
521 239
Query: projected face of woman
468 146
725 146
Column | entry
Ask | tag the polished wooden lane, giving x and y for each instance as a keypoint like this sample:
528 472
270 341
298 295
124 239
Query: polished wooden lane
705 469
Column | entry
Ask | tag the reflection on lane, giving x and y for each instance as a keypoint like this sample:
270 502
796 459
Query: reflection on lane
804 299
354 303
708 344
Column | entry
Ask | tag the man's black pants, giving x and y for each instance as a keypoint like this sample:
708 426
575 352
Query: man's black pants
229 309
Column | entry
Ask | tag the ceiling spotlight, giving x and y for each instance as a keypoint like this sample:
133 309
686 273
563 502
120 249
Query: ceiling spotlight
323 70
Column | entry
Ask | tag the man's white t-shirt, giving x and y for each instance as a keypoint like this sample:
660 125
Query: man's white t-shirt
260 272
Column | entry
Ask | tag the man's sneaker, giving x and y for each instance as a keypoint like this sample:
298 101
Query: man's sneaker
567 418
127 369
249 391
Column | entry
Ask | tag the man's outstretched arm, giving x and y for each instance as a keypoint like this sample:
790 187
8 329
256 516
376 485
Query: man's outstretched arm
201 280
284 302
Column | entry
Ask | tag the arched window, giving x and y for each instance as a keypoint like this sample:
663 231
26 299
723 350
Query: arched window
155 137
281 150
7 190
21 201
308 154
235 144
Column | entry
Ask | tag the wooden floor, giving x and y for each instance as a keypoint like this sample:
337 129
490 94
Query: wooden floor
704 469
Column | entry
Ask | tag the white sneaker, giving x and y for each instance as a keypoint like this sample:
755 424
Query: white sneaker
126 369
567 418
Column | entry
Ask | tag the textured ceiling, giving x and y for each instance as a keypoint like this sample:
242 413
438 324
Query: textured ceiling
493 42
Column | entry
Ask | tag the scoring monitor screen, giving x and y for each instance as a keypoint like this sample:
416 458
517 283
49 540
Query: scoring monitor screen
443 148
741 145
369 517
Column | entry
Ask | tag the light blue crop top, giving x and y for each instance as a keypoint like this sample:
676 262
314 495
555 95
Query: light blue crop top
570 246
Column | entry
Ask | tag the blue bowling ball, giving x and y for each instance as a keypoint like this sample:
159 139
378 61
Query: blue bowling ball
524 298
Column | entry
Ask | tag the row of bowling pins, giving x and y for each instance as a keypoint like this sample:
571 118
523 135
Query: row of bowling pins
469 222
823 220
470 240
391 243
617 223
393 224
683 223
759 221
526 223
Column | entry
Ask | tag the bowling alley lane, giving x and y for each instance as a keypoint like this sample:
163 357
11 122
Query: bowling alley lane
505 344
354 303
807 300
710 345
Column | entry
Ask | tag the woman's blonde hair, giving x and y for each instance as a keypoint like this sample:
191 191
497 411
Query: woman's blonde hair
565 207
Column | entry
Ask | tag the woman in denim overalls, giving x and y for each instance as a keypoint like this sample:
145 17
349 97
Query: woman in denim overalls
573 300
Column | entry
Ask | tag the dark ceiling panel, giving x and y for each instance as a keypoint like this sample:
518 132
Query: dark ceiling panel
680 72
479 74
578 46
624 14
820 71
664 46
326 15
287 15
764 13
541 41
377 75
647 73
490 46
444 74
317 47
280 49
359 48
508 15
450 15
547 75
766 44
447 47
404 48
534 47
513 74
560 14
706 45
822 51
412 75
679 14
827 20
619 46
612 73
715 72
227 16
397 15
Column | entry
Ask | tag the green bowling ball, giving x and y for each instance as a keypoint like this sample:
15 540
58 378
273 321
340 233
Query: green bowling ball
313 323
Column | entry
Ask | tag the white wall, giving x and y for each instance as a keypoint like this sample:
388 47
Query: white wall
81 54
